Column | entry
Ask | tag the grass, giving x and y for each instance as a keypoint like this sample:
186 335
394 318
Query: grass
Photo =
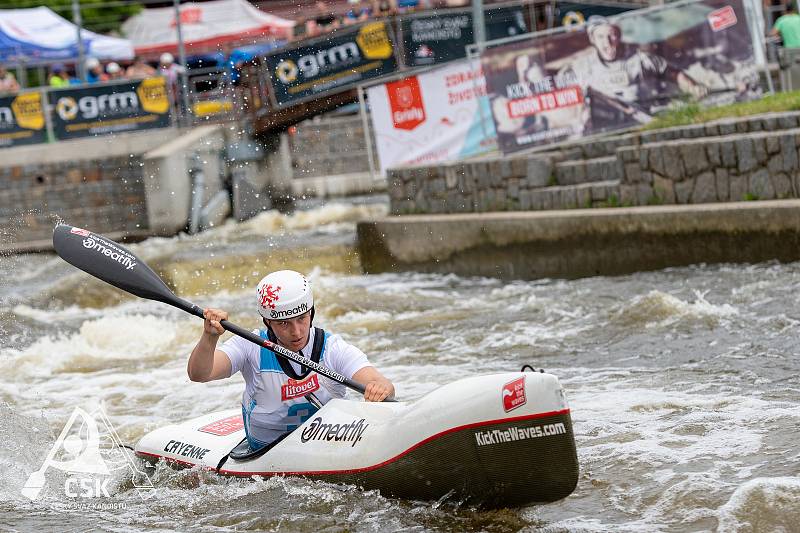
692 113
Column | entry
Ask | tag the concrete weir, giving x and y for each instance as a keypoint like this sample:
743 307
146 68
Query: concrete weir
582 242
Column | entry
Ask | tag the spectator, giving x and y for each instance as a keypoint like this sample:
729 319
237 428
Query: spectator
168 68
58 76
8 83
114 71
384 8
787 27
140 69
94 71
324 20
358 12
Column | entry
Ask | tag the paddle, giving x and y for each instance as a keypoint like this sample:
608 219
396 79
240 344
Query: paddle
116 265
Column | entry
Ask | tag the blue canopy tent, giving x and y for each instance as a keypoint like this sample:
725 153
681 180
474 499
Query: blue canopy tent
38 36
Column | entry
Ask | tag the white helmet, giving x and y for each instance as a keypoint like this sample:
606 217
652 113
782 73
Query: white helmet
284 294
166 59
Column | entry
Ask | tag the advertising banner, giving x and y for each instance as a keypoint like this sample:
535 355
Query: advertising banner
87 111
22 120
338 62
615 73
432 39
576 13
431 117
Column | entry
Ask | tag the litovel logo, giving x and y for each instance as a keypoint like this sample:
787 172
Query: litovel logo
92 455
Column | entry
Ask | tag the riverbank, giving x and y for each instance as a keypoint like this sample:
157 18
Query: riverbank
579 243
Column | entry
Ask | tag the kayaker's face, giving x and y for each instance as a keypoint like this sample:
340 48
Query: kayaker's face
292 333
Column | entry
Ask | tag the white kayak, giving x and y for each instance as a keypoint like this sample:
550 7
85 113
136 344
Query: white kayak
501 440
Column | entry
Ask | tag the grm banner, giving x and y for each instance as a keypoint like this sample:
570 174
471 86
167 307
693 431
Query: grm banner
335 63
97 110
22 120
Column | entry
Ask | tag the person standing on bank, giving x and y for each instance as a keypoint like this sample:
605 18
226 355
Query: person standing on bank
787 27
280 395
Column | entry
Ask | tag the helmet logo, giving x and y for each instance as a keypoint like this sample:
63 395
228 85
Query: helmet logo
269 296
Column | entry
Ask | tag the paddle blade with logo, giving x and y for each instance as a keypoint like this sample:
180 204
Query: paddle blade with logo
112 263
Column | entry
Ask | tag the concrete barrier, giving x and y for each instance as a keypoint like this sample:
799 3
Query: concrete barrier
582 242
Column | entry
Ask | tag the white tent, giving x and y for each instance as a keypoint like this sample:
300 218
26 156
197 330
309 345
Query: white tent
204 26
39 35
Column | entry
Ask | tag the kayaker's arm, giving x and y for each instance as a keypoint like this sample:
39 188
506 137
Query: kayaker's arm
206 362
377 387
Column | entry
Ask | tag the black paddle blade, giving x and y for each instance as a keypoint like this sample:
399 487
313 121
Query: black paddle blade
110 262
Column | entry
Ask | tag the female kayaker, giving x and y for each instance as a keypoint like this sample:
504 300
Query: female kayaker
280 395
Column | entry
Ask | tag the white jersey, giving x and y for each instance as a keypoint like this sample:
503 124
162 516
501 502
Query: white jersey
273 403
625 78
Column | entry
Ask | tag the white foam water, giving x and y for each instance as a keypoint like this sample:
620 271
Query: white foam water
683 386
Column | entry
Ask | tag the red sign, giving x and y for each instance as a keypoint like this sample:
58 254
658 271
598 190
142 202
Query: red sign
79 231
537 103
722 18
514 394
223 427
405 102
190 15
294 389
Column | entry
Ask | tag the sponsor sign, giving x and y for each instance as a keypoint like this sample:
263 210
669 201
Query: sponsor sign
296 389
514 394
106 248
722 18
349 432
102 109
184 449
431 117
618 72
22 120
338 62
92 460
444 37
224 427
576 13
513 434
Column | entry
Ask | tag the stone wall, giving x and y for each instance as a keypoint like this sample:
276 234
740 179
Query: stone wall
329 147
103 193
753 166
614 171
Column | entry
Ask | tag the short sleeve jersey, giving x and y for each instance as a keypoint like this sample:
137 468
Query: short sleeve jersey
340 356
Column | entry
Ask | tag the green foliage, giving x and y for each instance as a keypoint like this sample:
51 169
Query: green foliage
750 197
96 16
552 182
692 113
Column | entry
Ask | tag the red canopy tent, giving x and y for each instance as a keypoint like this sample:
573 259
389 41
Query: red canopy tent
205 27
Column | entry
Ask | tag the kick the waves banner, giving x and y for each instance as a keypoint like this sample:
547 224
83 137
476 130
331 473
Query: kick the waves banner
615 73
102 109
431 117
22 120
332 64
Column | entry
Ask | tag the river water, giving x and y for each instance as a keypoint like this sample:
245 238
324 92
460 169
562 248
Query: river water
684 384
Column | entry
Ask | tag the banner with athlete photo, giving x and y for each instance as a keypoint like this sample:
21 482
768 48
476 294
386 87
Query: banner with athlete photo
110 108
618 72
431 117
22 120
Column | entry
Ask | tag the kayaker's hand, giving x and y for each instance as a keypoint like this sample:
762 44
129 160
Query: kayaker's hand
211 325
378 390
